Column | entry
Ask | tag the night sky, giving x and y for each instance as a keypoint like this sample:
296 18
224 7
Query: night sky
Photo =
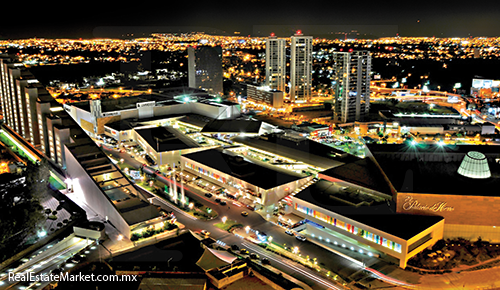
372 19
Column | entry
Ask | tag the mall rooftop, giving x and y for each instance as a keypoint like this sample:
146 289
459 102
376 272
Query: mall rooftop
367 211
164 139
433 168
240 168
166 98
300 149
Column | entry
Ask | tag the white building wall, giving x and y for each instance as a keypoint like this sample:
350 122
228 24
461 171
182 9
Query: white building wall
92 195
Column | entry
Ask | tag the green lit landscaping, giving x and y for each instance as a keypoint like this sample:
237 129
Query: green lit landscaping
228 225
16 147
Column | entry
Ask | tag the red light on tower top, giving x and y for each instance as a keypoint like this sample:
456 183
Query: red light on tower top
299 32
272 34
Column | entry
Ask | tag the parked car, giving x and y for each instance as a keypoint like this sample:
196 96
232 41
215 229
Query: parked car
265 261
205 233
223 202
208 194
244 251
217 200
300 238
289 232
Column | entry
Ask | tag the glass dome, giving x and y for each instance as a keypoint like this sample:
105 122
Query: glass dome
475 165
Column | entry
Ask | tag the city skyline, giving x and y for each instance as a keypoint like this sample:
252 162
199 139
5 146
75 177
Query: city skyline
164 142
443 19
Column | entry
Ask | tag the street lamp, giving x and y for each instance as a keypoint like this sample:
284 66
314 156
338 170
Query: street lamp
224 219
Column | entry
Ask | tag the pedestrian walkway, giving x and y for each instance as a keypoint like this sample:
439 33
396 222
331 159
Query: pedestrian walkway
49 202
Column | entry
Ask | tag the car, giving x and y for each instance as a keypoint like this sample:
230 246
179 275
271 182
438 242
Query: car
223 202
289 232
205 233
244 213
208 194
217 200
254 256
300 238
244 251
149 160
265 261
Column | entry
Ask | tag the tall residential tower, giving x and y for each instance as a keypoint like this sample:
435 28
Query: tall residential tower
275 63
352 86
301 67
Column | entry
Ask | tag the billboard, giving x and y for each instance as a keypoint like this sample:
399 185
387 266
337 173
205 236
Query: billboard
485 84
485 88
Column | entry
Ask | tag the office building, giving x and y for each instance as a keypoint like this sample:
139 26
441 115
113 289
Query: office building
276 63
301 67
352 86
265 96
205 68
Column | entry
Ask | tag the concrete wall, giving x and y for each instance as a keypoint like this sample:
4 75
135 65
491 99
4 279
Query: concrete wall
92 195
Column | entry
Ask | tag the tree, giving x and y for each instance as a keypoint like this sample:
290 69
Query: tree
37 177
21 214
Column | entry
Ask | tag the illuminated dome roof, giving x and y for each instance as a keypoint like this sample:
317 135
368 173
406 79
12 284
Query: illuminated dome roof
474 165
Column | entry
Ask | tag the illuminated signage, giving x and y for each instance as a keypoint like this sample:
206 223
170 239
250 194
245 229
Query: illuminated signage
110 114
411 203
146 104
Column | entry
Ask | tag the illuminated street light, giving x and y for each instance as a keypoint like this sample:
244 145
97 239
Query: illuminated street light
224 219
247 229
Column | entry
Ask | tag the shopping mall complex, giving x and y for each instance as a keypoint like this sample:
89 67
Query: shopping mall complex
402 198
394 203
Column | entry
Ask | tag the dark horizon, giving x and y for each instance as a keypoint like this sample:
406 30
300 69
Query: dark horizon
442 19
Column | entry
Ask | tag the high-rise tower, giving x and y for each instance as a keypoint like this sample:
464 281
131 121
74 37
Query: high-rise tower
301 67
352 86
275 63
205 68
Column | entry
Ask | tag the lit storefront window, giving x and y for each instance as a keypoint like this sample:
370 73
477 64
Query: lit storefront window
206 172
350 228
